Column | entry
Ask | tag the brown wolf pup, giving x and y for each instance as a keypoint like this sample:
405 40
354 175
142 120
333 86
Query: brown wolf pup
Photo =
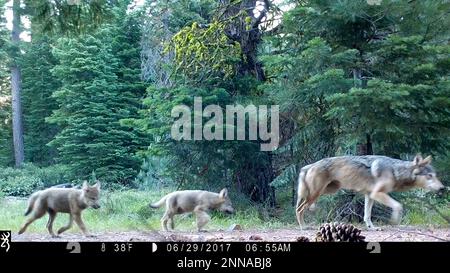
199 202
375 176
54 200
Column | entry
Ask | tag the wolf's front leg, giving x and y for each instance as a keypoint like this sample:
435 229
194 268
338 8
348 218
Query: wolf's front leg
79 221
202 218
368 203
386 200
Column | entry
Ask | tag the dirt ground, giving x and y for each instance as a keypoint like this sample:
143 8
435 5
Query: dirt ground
385 234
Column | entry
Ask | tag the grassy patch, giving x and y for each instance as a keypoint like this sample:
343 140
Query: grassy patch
128 211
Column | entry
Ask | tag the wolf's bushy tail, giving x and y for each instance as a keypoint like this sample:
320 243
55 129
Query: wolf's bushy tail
31 202
159 203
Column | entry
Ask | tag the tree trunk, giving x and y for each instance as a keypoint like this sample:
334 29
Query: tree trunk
360 82
247 34
16 88
365 148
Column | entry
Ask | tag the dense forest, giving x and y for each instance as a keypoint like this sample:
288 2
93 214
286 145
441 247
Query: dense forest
87 89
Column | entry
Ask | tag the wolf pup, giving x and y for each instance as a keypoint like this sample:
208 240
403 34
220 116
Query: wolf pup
375 176
54 200
199 202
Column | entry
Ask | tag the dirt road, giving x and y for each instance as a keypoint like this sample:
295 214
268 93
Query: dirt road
386 234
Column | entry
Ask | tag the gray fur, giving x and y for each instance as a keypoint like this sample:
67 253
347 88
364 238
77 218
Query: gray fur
372 175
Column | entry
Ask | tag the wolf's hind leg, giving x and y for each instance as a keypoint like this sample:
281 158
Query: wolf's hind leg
300 211
51 219
37 213
368 203
69 225
166 217
306 202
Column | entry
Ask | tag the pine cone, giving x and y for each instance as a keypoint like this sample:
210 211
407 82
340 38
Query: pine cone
339 232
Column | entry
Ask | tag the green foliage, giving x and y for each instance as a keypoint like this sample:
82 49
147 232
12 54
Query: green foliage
153 173
5 91
37 88
205 53
176 14
20 185
4 37
287 175
208 62
300 83
71 16
401 118
6 149
30 178
345 70
339 70
198 164
189 161
99 73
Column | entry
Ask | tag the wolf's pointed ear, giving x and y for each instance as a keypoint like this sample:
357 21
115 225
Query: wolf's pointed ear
85 185
417 160
97 185
223 193
426 161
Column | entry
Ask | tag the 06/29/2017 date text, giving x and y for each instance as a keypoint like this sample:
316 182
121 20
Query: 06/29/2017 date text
198 247
225 247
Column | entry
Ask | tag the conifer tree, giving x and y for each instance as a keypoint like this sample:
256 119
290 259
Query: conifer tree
38 103
100 87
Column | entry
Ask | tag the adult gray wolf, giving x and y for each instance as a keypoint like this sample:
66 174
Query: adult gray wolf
196 201
373 175
54 200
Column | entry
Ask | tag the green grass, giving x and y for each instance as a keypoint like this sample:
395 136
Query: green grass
422 216
128 211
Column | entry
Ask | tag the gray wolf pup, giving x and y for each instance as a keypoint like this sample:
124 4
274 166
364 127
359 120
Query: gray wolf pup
373 175
199 202
54 200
